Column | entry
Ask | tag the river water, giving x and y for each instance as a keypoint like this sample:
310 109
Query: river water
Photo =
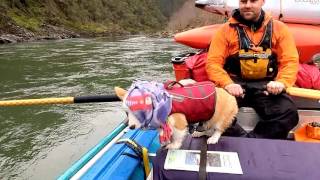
41 142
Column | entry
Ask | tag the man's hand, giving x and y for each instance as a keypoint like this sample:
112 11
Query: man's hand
275 87
234 89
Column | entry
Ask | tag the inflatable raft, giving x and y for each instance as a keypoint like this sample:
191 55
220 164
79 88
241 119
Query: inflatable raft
111 160
289 11
307 38
303 24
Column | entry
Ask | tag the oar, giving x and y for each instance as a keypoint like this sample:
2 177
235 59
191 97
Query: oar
305 93
62 100
294 91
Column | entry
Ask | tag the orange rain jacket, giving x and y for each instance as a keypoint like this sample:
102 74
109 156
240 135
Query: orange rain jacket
226 42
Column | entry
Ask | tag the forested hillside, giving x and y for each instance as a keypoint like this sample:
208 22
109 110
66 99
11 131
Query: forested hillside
22 20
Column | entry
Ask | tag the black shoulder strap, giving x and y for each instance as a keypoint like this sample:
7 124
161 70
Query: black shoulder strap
245 42
266 41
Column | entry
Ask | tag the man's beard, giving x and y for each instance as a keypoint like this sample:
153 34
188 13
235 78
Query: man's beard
249 16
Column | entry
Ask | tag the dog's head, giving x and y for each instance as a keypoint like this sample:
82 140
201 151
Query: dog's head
147 103
133 121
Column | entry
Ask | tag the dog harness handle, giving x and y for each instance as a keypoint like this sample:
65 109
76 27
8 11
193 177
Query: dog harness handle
171 84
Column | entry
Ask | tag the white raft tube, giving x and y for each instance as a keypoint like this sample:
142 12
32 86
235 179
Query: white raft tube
290 11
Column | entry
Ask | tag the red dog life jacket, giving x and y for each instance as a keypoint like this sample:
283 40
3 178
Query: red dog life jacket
196 101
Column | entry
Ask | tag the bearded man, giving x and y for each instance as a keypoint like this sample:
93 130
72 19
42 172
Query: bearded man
255 59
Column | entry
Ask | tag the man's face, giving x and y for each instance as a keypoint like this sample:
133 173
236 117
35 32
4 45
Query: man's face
250 9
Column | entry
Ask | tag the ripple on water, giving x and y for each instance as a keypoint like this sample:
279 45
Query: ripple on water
42 141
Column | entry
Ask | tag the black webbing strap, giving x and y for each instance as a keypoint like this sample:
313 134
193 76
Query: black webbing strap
141 154
203 160
266 41
245 41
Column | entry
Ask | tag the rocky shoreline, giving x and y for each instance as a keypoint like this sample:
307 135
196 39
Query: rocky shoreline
13 33
10 32
22 26
24 21
53 33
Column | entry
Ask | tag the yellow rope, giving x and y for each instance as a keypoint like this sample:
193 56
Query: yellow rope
145 158
142 150
29 102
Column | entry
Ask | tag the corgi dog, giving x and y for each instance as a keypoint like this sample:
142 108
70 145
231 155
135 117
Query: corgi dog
170 109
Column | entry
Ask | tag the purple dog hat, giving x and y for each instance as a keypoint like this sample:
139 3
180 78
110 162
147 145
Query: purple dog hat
149 102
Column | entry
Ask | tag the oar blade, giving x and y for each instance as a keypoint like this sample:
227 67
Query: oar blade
62 100
44 101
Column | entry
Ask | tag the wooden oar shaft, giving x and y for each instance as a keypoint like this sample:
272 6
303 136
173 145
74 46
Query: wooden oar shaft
62 100
300 92
306 93
30 102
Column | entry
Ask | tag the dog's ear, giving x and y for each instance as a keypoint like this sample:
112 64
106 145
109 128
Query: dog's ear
120 92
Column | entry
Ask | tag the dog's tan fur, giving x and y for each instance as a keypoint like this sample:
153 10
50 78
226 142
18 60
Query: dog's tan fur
225 111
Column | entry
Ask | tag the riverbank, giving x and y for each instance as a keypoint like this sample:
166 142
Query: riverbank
29 20
32 20
41 142
12 32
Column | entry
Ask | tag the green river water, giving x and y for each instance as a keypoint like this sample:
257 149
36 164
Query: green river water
41 142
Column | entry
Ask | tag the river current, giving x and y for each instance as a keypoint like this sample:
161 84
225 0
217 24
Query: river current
41 142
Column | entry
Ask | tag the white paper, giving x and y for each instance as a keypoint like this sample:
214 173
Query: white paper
217 161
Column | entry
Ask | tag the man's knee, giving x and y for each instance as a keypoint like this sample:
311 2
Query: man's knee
292 116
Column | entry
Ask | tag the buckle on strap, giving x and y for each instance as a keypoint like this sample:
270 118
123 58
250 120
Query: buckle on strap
141 152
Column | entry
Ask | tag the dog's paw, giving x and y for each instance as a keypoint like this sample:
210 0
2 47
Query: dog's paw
174 145
213 140
197 134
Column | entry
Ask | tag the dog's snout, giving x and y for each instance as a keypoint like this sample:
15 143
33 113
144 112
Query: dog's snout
132 126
